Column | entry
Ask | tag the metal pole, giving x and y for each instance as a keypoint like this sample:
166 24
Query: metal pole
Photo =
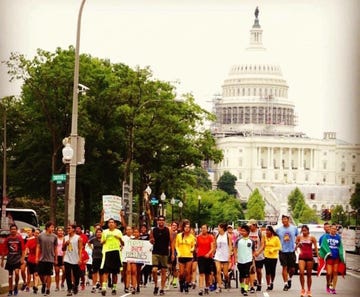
4 185
74 123
130 198
66 216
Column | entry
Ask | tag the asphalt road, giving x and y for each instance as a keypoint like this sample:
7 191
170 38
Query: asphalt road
347 287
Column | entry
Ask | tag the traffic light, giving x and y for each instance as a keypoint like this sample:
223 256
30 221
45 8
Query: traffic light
125 197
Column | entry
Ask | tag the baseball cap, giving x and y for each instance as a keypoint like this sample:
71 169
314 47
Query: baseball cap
252 222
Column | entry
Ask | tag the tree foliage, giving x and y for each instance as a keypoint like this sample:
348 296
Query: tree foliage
227 183
255 206
301 212
355 198
130 120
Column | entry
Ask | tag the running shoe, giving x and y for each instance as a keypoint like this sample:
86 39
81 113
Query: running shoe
302 293
309 294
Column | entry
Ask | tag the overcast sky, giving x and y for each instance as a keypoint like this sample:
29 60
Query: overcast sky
317 44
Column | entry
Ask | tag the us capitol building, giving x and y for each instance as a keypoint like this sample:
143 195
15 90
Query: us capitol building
255 129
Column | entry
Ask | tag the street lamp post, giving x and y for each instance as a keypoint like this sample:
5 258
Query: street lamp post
181 206
68 154
4 222
163 201
74 123
172 202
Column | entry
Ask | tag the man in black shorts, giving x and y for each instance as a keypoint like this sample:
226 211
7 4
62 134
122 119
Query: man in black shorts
160 238
15 257
46 256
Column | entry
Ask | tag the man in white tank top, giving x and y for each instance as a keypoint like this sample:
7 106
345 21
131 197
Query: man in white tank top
72 246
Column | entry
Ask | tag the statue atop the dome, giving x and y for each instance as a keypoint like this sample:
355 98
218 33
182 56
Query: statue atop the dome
256 12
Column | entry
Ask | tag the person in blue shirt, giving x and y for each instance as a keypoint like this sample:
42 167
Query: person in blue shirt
287 234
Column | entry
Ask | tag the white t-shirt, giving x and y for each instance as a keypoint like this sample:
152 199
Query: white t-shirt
222 252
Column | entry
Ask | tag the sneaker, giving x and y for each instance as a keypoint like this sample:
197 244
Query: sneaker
75 290
10 293
242 290
218 290
162 293
16 291
133 291
308 293
23 287
93 290
252 290
35 290
201 292
57 289
289 284
113 291
82 287
302 293
206 291
193 286
97 285
245 293
286 288
43 288
103 291
47 292
69 293
138 289
327 289
27 289
270 287
332 291
186 288
126 290
62 287
258 288
156 291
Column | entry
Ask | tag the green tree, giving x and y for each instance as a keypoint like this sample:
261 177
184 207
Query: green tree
227 183
255 206
355 198
130 121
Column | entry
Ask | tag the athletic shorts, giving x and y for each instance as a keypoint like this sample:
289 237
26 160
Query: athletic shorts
287 259
112 262
60 261
12 267
45 268
244 269
160 261
259 263
205 265
33 267
96 266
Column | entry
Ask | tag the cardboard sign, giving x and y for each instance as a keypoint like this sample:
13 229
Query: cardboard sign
137 251
112 206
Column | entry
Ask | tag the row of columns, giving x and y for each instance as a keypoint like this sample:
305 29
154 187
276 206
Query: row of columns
278 161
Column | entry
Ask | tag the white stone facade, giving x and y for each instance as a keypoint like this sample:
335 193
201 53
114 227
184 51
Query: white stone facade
255 129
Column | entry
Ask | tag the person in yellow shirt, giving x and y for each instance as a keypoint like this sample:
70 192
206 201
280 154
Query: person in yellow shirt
111 240
185 247
271 253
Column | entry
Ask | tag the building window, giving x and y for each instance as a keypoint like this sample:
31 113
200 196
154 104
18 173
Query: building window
240 175
353 168
306 177
324 179
353 180
343 181
325 153
264 176
354 156
240 162
343 166
276 176
324 165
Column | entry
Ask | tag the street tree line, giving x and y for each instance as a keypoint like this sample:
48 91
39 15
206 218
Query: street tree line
131 121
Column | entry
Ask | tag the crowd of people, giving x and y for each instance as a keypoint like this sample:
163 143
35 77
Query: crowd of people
207 260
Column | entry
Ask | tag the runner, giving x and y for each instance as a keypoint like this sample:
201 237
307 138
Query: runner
287 234
72 247
305 242
97 273
160 238
205 243
60 262
46 256
32 269
15 251
223 254
185 245
111 240
271 253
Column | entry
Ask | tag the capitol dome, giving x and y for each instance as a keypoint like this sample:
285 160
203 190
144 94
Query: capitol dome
254 97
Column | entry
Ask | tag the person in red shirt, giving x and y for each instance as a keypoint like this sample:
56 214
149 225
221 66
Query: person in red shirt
15 250
305 242
82 266
30 250
83 236
205 244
